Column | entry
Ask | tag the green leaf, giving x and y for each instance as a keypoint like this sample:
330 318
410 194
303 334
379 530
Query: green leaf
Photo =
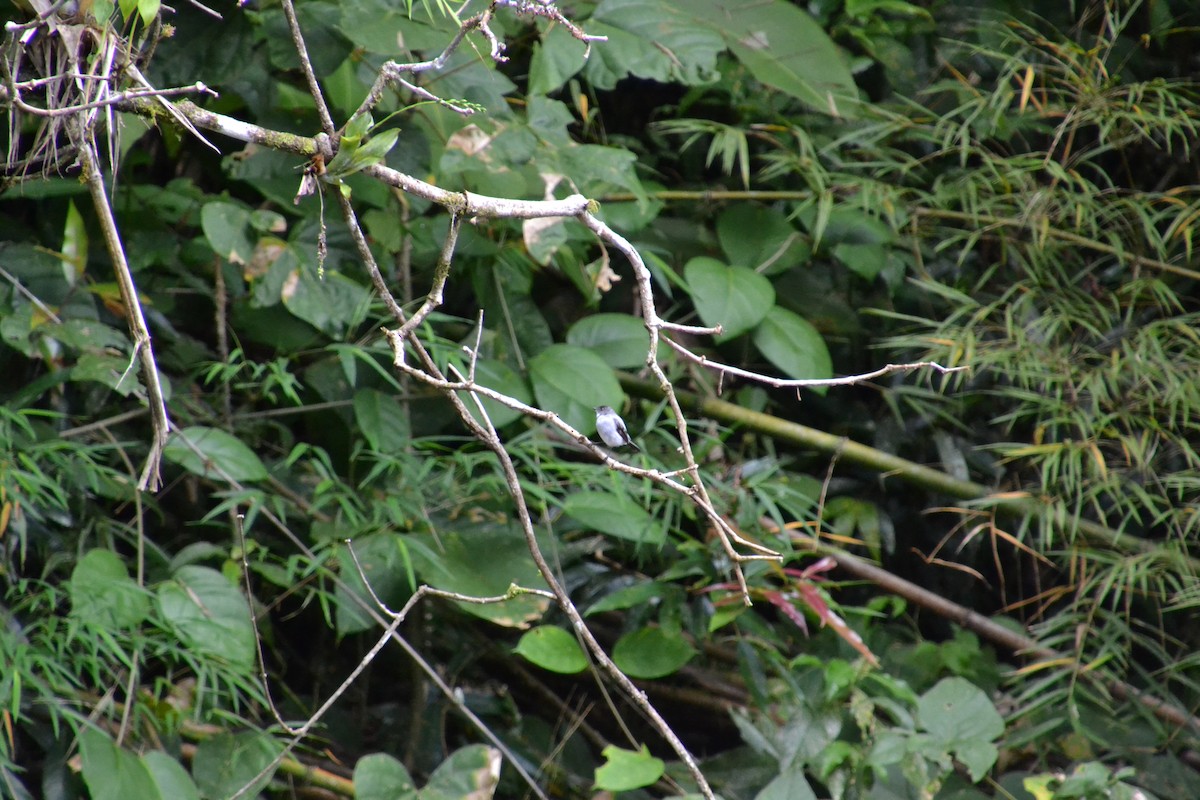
381 420
960 717
616 515
626 770
353 157
358 127
108 370
557 57
552 648
385 28
386 562
89 335
148 9
103 594
651 39
630 597
866 260
784 47
736 298
112 773
170 777
103 9
652 653
381 777
791 784
470 772
571 382
227 228
620 339
957 710
200 450
227 762
333 304
596 169
75 244
454 564
761 238
792 344
209 615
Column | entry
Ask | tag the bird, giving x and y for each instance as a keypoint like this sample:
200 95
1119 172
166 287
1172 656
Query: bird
611 428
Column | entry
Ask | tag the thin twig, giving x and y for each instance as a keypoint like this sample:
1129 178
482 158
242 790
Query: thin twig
314 88
150 478
798 383
1019 643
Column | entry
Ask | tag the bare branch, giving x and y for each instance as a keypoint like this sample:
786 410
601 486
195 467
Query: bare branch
314 88
150 478
787 383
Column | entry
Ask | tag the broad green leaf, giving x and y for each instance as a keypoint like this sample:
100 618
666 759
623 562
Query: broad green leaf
172 780
201 450
960 717
332 304
103 9
626 770
385 28
788 785
381 420
109 370
556 57
736 298
470 773
620 339
761 238
631 596
784 47
978 756
652 653
549 120
208 614
380 777
571 382
616 515
792 344
89 334
596 169
227 228
552 648
148 9
866 260
103 594
386 562
264 220
845 225
957 710
111 772
453 563
651 39
227 762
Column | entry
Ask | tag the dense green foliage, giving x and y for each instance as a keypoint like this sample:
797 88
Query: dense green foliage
838 185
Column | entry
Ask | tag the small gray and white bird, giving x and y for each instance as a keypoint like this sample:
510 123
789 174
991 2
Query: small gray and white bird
611 428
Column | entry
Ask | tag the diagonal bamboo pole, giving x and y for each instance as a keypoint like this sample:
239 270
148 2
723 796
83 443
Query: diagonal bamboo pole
894 467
